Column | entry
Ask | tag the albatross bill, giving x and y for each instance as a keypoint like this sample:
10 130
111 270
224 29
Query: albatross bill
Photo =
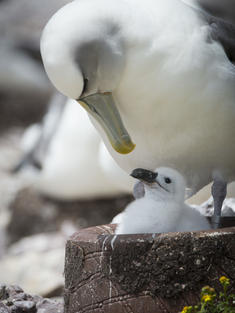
102 107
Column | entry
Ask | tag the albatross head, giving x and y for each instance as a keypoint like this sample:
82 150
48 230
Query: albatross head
164 183
82 52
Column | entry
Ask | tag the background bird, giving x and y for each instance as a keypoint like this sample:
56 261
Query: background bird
162 209
65 158
157 78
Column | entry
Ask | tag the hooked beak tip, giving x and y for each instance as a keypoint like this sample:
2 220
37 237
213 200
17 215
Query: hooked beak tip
123 148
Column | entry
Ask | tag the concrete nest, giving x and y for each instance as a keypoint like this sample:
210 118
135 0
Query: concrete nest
144 273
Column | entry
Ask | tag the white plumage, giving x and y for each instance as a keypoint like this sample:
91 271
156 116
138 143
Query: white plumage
162 209
168 69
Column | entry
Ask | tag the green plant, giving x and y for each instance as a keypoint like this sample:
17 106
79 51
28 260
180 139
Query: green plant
211 302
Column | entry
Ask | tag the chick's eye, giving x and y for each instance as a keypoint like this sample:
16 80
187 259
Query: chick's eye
167 180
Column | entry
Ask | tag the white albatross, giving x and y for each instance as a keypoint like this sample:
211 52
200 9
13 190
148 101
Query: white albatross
157 78
162 209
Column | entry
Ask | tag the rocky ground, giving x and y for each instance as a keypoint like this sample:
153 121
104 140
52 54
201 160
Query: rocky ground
34 229
14 300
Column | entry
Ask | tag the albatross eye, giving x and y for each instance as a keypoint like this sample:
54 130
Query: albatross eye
167 180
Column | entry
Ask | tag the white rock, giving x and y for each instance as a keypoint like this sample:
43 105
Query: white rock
35 263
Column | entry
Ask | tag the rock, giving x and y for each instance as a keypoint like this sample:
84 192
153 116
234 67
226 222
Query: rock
29 209
24 306
47 215
3 292
10 185
4 308
144 273
12 291
17 301
36 263
49 306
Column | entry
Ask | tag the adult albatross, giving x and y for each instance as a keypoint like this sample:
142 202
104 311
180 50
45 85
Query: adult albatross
157 78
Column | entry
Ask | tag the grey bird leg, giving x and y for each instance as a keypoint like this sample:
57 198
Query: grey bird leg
219 192
138 190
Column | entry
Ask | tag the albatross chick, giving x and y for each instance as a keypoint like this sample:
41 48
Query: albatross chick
162 209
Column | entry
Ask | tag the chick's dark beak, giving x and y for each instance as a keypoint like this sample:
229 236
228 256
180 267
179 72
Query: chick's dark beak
144 175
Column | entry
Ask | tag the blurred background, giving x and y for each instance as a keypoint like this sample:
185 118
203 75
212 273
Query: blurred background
40 203
55 173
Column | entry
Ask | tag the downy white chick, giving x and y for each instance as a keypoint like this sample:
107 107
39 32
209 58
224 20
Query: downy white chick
162 208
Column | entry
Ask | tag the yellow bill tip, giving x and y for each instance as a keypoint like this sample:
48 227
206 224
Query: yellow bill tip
123 148
102 107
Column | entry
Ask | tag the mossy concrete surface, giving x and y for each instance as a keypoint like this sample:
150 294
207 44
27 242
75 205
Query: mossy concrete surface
148 273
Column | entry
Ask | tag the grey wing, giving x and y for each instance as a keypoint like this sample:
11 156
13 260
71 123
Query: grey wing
220 15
